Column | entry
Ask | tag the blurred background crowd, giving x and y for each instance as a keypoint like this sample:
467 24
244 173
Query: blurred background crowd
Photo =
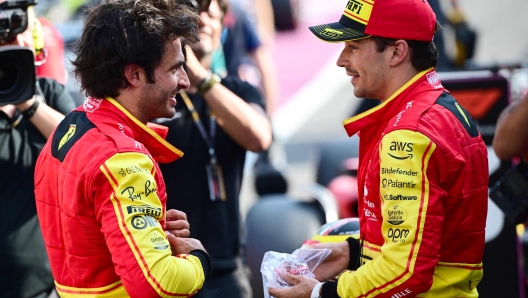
307 177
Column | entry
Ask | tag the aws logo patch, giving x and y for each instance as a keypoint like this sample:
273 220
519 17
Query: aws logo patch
401 150
68 135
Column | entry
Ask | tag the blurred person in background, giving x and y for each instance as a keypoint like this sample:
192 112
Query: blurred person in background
423 167
260 12
216 122
24 129
51 59
511 133
247 56
99 190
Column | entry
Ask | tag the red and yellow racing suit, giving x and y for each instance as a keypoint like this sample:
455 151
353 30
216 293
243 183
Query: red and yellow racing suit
101 204
423 193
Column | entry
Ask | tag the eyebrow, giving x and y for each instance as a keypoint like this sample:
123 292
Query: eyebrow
178 64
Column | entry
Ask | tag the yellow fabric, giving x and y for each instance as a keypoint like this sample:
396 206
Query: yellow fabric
359 10
115 290
139 210
402 149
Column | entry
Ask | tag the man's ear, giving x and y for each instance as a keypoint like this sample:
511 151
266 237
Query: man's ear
400 52
134 74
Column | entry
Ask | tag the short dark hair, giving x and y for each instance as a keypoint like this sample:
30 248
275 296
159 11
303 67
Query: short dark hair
424 55
121 32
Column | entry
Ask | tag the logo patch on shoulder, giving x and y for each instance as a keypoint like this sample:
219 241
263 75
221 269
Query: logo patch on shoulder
92 104
401 148
433 79
68 135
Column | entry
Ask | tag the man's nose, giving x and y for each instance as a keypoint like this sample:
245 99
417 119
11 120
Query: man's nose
341 61
183 81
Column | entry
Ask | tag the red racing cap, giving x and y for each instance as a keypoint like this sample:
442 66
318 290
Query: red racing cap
400 19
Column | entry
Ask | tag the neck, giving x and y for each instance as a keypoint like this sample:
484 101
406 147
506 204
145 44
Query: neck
131 106
399 78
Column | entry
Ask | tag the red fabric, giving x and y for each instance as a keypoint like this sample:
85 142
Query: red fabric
80 206
457 173
402 19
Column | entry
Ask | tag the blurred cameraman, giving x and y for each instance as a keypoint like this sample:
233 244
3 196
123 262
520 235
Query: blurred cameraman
511 135
25 124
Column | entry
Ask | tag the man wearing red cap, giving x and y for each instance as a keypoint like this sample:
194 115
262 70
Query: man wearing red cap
423 172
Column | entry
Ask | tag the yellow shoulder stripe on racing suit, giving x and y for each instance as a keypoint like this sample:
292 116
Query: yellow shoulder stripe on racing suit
404 196
138 210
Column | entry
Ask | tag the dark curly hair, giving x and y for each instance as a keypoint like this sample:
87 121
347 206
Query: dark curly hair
121 32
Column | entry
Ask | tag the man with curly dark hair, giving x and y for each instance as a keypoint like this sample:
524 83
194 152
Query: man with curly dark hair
101 199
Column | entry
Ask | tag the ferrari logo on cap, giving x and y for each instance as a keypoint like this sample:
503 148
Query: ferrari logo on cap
355 6
331 33
359 10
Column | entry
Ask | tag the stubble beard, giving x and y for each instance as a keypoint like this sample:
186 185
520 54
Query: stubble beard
154 104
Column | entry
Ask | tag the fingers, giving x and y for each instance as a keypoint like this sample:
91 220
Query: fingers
173 240
191 57
180 233
275 292
301 286
178 245
183 245
193 244
177 223
174 214
290 278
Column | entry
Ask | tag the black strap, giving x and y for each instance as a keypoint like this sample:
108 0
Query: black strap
329 290
208 138
29 112
354 247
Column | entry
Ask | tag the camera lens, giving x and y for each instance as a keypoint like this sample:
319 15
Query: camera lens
17 74
9 72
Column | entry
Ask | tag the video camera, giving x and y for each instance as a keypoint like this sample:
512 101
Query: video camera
510 193
17 64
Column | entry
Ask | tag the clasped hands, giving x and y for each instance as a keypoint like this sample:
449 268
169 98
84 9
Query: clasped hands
177 231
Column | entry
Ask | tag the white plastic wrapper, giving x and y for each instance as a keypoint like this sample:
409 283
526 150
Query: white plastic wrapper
300 262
